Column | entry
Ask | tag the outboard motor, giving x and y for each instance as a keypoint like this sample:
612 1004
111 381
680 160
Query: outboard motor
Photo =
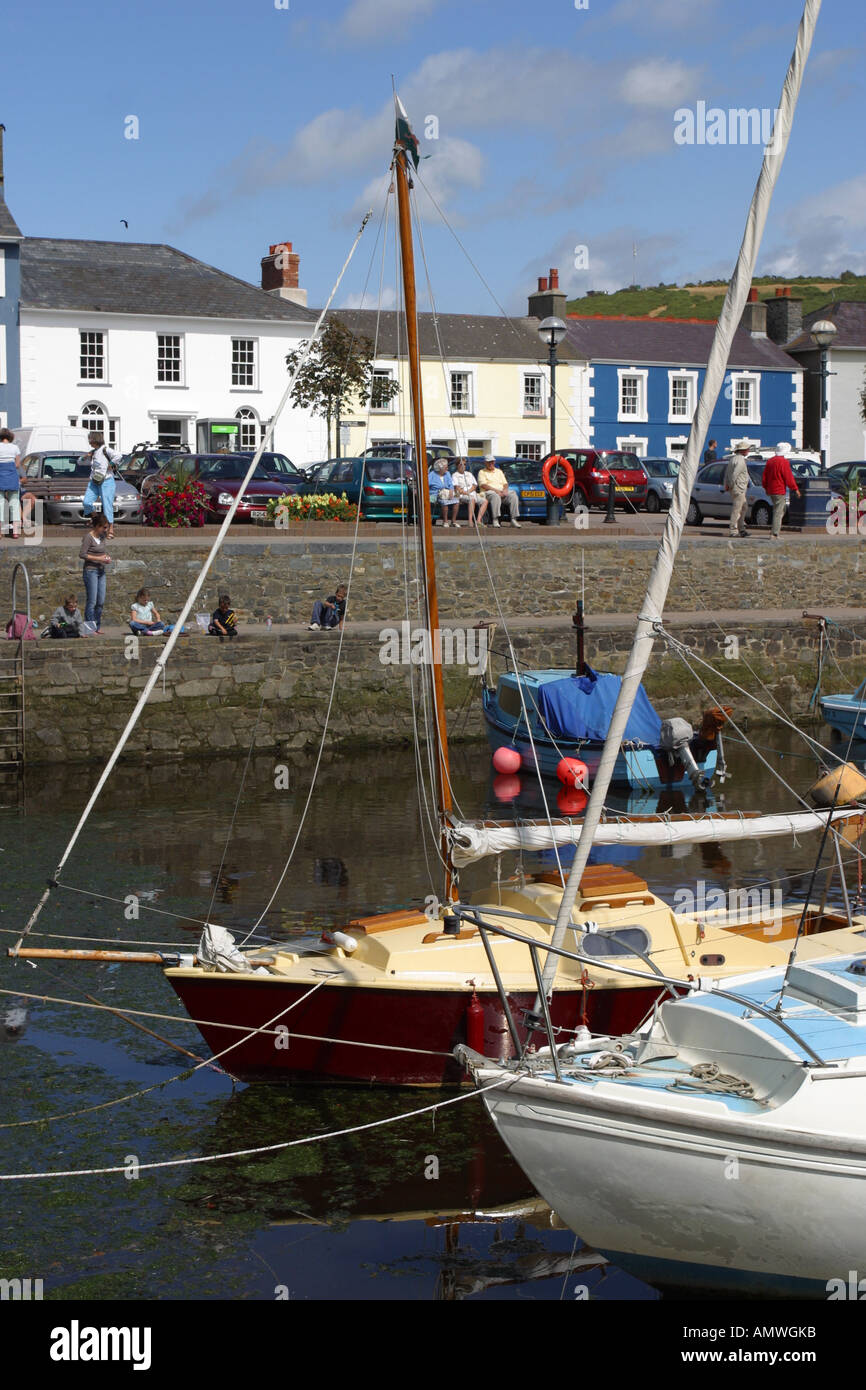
676 736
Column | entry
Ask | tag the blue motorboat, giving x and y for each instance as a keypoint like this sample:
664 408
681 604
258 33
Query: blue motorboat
847 713
549 715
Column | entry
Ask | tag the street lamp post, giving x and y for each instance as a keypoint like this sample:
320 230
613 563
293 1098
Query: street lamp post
822 334
551 331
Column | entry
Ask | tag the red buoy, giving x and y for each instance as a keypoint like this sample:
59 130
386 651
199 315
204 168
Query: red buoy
475 1025
573 773
507 760
571 803
506 788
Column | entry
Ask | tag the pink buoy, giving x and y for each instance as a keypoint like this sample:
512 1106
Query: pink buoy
573 773
506 787
571 803
507 760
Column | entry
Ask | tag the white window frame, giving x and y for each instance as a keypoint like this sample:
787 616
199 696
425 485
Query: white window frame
234 386
251 419
94 380
641 417
539 444
2 272
172 385
691 377
3 355
755 417
633 444
675 444
390 406
469 372
541 377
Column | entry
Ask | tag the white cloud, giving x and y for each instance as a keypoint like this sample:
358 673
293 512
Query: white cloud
829 235
660 83
370 299
612 263
368 20
675 14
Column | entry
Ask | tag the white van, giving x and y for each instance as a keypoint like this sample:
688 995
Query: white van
32 439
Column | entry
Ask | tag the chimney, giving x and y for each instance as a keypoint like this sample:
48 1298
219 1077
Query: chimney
784 316
280 273
754 318
548 299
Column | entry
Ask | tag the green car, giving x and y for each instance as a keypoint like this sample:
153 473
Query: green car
383 488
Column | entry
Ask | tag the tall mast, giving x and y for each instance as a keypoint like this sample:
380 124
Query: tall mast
405 140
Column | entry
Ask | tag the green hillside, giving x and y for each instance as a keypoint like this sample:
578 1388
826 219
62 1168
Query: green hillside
704 299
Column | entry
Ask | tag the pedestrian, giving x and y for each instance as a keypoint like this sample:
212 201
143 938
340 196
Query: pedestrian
466 486
737 484
710 454
96 561
144 618
223 621
493 484
102 486
776 481
441 486
10 485
67 620
330 612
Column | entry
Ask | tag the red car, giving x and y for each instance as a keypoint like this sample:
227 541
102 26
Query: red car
593 469
221 476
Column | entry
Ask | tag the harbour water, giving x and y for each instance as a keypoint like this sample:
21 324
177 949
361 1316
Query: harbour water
429 1207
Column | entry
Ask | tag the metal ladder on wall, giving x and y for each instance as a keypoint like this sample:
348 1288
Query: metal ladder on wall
12 707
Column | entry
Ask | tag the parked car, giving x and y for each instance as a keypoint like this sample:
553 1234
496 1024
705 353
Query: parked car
709 498
524 475
136 466
382 488
593 469
847 477
221 475
661 475
58 478
404 449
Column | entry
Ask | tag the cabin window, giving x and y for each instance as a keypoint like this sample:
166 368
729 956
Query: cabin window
508 699
621 941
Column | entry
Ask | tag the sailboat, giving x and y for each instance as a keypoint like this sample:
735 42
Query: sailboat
386 998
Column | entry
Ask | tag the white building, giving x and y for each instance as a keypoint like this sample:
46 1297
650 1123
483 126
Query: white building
843 434
150 344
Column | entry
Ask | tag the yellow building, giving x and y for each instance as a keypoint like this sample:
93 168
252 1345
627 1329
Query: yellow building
486 384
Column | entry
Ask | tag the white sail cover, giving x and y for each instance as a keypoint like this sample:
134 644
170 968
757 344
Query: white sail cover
469 843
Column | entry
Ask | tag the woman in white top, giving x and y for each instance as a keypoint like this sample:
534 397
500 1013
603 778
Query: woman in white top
466 486
10 484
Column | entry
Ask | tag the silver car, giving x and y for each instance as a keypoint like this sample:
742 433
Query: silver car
661 474
58 479
709 498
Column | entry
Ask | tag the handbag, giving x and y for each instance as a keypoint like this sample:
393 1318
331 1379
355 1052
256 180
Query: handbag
21 628
99 475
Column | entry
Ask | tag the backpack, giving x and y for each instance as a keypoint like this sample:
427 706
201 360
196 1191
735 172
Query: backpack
21 628
99 475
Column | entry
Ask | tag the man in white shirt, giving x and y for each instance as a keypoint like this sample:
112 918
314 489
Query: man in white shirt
493 484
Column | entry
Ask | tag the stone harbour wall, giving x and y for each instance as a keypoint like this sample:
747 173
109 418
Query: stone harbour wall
273 690
534 572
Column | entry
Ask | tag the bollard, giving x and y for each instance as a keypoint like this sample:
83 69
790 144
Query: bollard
611 490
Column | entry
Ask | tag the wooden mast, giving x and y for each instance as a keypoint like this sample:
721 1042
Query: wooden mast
422 498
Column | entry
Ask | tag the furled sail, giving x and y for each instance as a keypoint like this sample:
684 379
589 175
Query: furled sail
469 843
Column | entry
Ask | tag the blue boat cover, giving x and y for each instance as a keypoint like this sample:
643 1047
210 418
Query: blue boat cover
581 707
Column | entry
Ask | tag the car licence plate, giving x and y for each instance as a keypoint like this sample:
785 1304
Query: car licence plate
399 511
620 488
258 511
533 494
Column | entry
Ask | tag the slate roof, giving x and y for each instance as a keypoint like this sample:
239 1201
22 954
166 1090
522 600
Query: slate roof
463 337
9 229
114 277
849 316
670 343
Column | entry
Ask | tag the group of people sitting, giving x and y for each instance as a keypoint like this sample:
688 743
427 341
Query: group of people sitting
450 487
145 620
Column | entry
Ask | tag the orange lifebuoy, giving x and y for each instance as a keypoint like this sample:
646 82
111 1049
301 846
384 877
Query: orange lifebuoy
557 461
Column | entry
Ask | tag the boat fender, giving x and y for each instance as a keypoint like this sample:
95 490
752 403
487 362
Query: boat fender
507 760
340 938
475 1025
589 926
557 461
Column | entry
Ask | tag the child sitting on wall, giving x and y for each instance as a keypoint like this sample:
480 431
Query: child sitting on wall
223 622
144 618
67 620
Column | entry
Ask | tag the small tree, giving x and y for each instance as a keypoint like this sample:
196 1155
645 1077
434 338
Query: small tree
338 370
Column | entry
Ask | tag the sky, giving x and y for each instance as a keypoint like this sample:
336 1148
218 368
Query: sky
544 129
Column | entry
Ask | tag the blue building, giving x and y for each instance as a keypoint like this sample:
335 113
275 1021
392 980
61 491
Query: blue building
644 377
10 295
